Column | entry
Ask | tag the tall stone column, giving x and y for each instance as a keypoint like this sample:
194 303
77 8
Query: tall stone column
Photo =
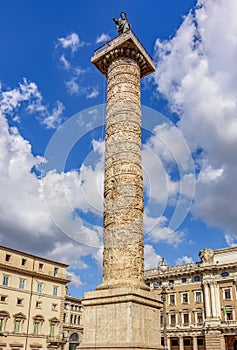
123 184
122 313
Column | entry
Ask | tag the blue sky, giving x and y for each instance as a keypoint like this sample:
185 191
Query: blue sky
52 110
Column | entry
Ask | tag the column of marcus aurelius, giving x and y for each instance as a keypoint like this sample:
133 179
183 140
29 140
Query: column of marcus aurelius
122 313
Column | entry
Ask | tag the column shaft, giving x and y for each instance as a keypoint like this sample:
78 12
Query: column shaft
123 183
207 301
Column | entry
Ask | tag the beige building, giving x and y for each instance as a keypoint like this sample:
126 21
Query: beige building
72 323
32 298
201 301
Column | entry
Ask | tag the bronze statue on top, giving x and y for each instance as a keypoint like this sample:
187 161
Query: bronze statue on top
122 23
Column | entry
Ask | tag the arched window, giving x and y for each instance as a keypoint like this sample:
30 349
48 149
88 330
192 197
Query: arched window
225 274
74 341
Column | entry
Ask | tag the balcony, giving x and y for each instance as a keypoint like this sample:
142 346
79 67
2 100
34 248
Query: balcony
55 340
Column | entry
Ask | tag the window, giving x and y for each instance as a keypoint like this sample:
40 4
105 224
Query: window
22 283
54 307
52 330
171 283
174 342
185 317
3 299
55 291
227 294
184 280
200 341
172 318
5 281
66 306
19 301
225 274
157 284
8 257
17 325
36 328
23 262
64 317
187 341
198 316
228 313
197 279
38 304
39 287
184 298
4 316
71 318
41 266
172 299
198 297
56 271
78 320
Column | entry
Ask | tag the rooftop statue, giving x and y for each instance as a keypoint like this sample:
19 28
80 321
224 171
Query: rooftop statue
122 23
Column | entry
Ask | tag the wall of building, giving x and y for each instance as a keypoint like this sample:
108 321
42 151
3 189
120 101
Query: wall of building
32 294
201 301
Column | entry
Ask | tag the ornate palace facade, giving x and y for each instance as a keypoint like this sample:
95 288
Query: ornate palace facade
201 301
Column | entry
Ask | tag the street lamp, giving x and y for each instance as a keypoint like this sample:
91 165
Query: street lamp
163 267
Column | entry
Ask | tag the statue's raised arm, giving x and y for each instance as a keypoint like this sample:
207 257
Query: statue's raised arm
122 23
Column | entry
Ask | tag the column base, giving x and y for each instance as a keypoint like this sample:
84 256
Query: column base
121 318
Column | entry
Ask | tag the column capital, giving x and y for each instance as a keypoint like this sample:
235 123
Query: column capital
124 45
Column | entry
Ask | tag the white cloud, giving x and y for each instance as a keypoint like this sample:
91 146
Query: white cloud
75 279
36 203
184 260
27 95
150 257
198 77
71 41
65 63
103 38
53 120
93 92
75 88
27 92
156 230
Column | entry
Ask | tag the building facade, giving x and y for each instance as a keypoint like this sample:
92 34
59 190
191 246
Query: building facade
32 298
72 323
201 301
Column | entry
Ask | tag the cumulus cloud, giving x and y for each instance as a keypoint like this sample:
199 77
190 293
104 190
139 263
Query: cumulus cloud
65 63
184 260
103 38
71 41
157 230
31 205
27 95
197 75
53 120
150 257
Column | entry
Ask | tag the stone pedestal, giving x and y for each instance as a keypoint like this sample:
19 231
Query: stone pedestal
122 313
121 318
